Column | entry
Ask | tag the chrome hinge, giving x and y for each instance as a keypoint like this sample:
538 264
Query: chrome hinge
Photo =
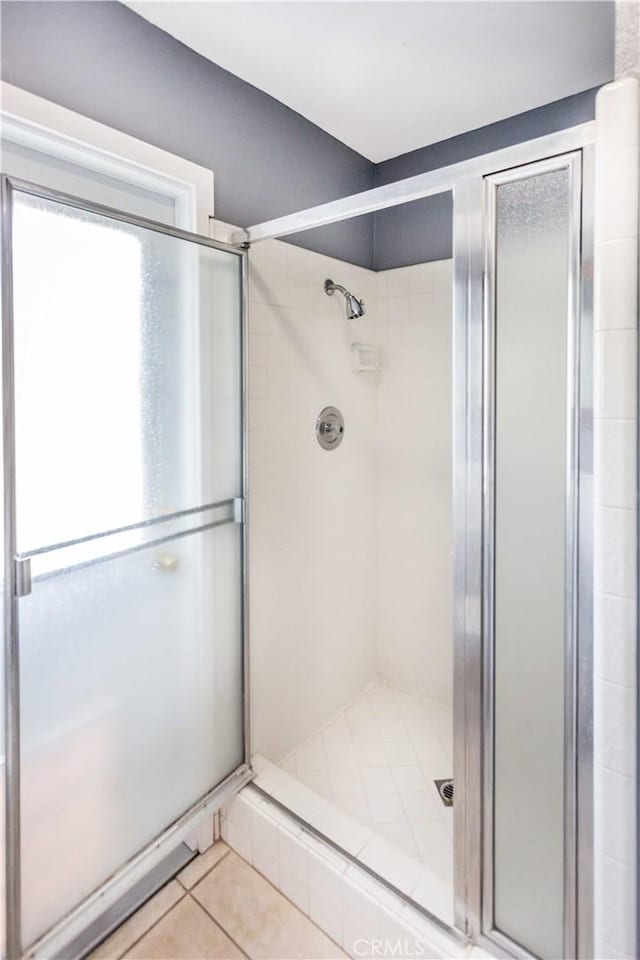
23 577
239 510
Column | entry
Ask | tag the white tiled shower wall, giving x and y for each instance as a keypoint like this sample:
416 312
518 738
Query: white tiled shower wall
414 480
312 560
615 574
350 565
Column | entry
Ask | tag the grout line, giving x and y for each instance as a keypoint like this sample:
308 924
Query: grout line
167 911
219 925
206 874
290 902
154 924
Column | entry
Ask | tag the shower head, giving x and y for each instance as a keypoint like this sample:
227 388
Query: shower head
355 307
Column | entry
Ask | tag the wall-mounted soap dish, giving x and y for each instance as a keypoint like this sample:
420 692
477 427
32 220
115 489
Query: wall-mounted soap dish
365 358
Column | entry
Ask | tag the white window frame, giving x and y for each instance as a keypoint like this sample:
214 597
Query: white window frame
39 124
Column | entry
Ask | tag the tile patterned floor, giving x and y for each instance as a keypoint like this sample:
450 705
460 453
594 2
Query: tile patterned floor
377 760
218 908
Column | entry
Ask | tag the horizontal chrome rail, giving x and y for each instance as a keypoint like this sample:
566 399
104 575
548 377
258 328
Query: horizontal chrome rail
114 531
23 565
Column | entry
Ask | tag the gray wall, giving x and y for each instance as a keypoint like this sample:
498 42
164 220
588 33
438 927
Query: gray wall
102 60
422 230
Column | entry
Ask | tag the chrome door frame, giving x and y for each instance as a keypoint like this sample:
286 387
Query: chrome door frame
474 250
72 924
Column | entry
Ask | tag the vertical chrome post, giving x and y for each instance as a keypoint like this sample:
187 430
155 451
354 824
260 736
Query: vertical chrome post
468 485
11 661
584 708
244 372
571 560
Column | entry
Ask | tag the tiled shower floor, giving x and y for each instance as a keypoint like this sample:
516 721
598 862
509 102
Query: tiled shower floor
365 781
377 761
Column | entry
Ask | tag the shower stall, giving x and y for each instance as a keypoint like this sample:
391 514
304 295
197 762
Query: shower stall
422 594
418 626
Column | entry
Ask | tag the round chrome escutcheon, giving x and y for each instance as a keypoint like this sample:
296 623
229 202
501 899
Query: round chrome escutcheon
330 428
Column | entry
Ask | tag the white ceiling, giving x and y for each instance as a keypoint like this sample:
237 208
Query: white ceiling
388 77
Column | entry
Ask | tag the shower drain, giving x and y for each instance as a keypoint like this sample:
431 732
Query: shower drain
445 790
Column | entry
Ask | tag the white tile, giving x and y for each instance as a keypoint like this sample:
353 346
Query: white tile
356 805
239 841
327 916
409 779
239 811
304 802
346 779
360 918
343 830
266 864
311 758
294 889
615 619
614 810
279 352
289 766
400 835
435 894
386 808
615 885
317 780
420 807
371 754
394 865
616 460
258 413
400 753
617 285
325 880
257 350
378 780
441 864
615 560
293 853
615 740
268 775
431 836
429 752
257 382
617 192
264 832
617 113
615 372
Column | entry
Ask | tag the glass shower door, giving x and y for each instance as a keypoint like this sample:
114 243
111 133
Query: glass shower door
128 538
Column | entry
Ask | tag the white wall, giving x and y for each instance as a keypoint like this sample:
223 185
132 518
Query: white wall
414 480
350 560
615 573
311 511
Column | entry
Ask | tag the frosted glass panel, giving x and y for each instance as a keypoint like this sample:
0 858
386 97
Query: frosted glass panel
131 710
127 357
128 398
530 435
